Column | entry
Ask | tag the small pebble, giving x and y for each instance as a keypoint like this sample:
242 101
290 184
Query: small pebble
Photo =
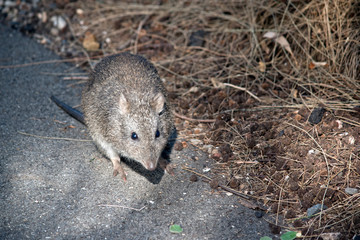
54 31
206 169
10 3
58 22
339 124
214 184
208 148
315 209
259 214
351 140
193 178
79 11
196 141
298 117
351 191
234 183
313 151
274 228
330 236
197 38
316 115
215 153
282 132
178 146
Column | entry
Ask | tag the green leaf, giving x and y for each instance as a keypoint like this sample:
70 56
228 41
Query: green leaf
175 228
266 238
288 235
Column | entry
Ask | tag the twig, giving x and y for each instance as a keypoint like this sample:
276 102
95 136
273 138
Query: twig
242 89
76 78
193 119
119 206
247 162
138 33
54 138
61 73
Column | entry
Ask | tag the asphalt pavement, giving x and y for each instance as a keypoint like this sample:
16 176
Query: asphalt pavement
64 189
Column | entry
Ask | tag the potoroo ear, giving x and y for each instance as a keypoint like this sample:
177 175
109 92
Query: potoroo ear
123 104
158 102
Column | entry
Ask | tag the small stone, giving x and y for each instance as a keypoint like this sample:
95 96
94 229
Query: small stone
215 154
316 115
79 11
313 152
234 183
208 148
281 133
315 209
274 228
298 117
42 17
54 31
351 191
58 22
90 43
259 214
193 178
206 169
196 141
197 130
330 236
197 38
10 3
214 184
339 124
351 140
178 146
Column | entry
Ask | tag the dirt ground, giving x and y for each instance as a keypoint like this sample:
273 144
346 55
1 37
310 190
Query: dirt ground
282 125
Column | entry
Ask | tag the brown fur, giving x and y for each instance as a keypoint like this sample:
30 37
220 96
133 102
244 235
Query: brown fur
124 96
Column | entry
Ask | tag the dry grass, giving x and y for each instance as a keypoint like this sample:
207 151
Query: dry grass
319 31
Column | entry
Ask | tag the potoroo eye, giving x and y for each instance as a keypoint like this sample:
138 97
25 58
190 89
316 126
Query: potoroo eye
134 136
157 133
